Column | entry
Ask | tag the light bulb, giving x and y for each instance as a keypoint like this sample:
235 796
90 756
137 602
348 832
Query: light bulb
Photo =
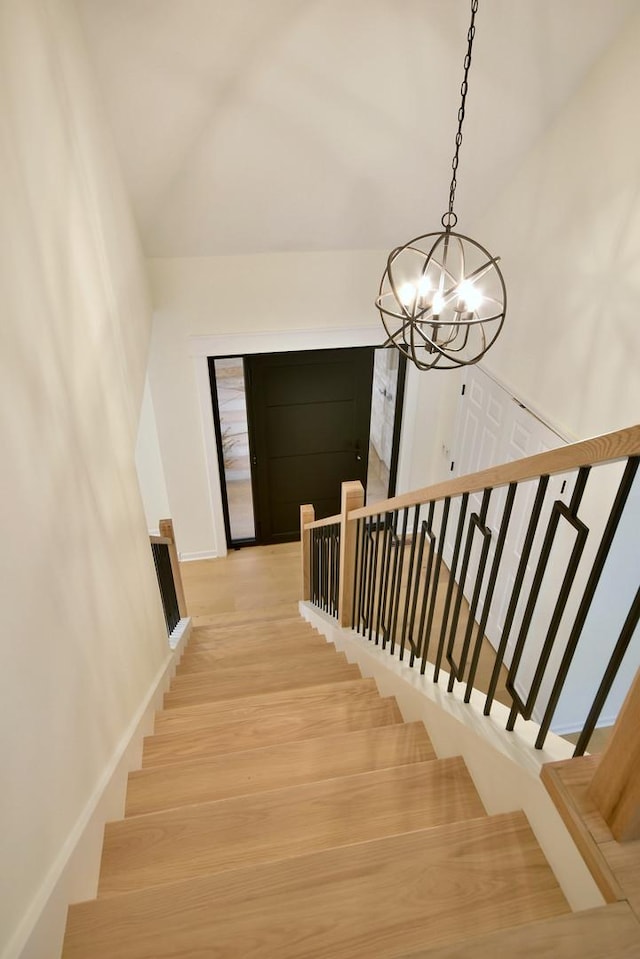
407 294
424 286
437 304
470 295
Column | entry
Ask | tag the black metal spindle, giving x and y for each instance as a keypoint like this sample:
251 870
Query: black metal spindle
366 585
396 588
373 575
416 592
166 584
532 529
384 573
622 494
435 585
610 674
493 576
422 635
570 515
450 586
477 522
357 576
411 573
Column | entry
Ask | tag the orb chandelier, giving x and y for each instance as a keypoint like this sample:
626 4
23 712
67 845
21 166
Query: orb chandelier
442 297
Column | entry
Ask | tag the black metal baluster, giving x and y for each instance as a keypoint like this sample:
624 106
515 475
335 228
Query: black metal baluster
384 573
476 522
166 585
452 579
357 577
493 576
613 521
423 637
411 572
610 674
532 528
392 554
416 593
374 573
397 578
434 590
570 514
367 578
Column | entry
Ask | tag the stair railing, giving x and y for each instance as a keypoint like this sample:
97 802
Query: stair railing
167 564
421 573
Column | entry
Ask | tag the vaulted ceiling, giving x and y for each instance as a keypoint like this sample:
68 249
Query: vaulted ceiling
249 126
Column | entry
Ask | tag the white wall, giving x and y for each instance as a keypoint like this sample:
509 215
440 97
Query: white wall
149 465
568 230
239 298
82 630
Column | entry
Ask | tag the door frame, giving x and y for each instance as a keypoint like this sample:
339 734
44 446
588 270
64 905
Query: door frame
242 344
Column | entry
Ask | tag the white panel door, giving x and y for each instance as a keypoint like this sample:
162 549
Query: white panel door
492 427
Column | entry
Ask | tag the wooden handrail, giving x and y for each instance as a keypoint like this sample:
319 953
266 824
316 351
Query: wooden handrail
327 521
600 449
160 540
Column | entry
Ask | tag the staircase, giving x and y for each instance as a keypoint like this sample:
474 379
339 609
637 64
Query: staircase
284 809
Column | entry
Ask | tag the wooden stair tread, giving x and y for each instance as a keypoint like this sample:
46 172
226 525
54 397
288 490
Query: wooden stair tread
275 726
275 645
602 933
273 661
241 617
381 898
285 764
247 707
207 838
254 633
244 681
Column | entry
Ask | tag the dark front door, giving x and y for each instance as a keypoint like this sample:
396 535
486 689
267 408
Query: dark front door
309 420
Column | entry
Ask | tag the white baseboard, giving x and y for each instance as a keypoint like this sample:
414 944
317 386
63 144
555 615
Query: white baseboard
192 557
74 875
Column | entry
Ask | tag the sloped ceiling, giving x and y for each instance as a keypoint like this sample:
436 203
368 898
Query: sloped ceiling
289 125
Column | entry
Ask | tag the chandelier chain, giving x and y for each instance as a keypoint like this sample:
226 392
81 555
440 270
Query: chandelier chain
449 220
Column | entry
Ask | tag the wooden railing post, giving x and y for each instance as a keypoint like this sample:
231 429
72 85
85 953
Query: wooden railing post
166 529
615 787
307 515
352 498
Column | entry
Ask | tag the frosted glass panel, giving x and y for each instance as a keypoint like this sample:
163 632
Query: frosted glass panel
232 406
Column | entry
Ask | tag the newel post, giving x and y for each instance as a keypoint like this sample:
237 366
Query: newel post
615 787
352 498
166 530
307 515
